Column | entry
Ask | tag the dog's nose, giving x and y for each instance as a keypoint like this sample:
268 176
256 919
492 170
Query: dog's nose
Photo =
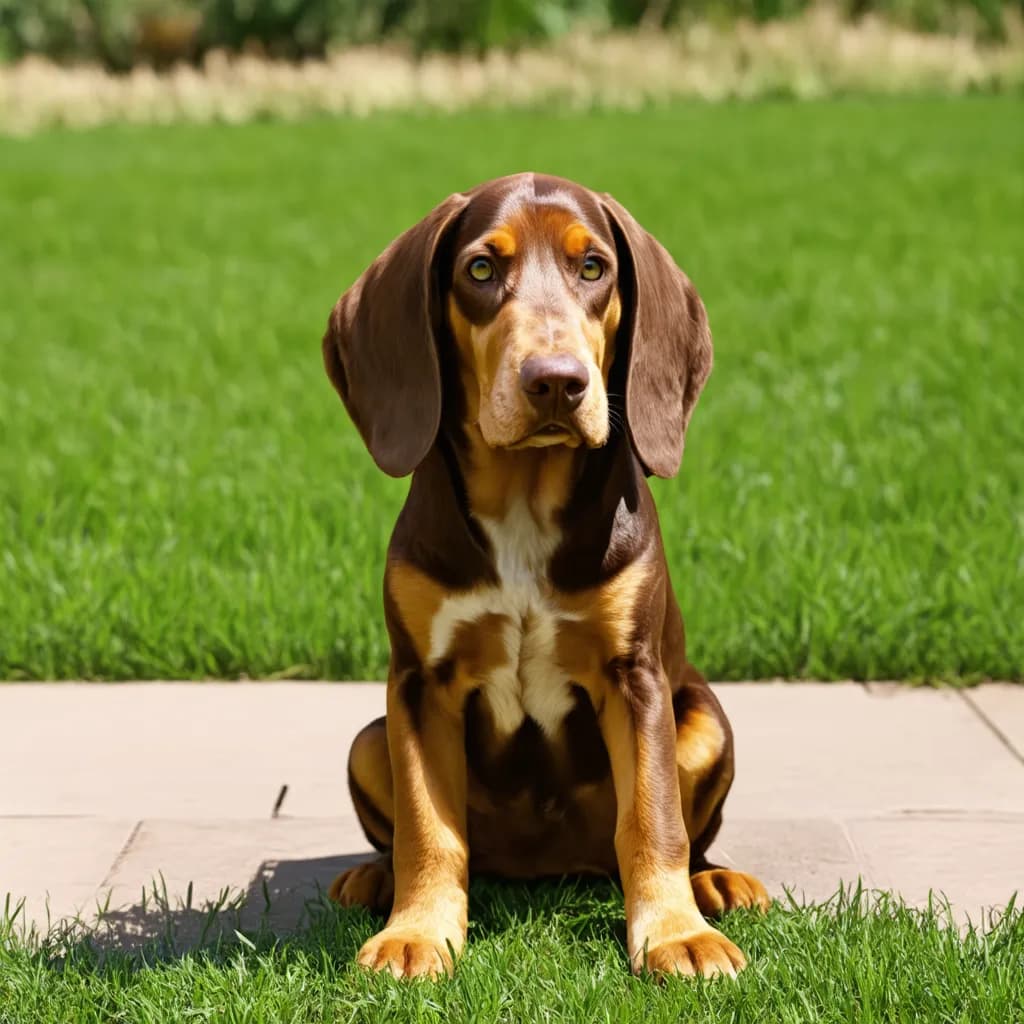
553 383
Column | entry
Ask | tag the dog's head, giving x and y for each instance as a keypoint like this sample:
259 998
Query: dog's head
540 286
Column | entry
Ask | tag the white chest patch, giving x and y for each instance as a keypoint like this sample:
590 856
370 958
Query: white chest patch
530 682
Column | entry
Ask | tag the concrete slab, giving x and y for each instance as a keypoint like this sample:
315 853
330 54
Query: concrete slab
810 857
1002 705
225 750
57 864
826 777
976 861
836 750
181 750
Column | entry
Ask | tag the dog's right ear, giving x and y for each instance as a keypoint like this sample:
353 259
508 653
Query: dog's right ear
670 352
380 349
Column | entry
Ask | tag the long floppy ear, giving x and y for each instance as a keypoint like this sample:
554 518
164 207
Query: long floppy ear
669 344
380 349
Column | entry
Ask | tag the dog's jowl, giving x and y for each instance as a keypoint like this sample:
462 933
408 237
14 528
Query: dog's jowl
531 355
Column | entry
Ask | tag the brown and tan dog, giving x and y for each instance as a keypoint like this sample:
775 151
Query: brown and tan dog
530 354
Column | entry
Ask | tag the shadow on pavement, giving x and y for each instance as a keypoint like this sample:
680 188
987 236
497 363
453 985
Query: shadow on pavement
281 899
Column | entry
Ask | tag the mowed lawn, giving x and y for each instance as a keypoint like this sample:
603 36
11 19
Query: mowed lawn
182 496
544 953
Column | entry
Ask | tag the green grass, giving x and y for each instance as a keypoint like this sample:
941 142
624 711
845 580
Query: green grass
550 953
181 495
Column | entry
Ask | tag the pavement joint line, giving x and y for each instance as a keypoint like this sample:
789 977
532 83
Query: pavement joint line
31 817
1017 755
121 854
865 874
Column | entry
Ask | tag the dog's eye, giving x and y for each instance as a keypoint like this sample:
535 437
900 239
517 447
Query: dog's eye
481 269
592 269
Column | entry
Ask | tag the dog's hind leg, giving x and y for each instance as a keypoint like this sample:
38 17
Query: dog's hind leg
704 756
372 884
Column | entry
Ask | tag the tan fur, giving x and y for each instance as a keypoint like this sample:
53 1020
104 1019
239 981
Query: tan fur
418 599
601 627
718 890
503 242
664 927
492 354
610 325
575 239
581 647
370 885
699 744
614 605
370 765
497 477
431 853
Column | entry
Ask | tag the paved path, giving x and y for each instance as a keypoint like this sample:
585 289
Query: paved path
106 787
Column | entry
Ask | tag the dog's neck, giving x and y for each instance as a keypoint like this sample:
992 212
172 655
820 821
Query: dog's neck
552 485
537 482
588 499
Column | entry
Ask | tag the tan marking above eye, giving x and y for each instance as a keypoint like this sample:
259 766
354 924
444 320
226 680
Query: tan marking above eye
502 241
576 240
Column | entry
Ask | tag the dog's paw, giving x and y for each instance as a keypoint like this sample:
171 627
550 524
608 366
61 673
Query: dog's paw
719 890
370 885
406 954
707 953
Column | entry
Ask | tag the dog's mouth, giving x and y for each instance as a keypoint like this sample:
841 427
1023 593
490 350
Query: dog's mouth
549 434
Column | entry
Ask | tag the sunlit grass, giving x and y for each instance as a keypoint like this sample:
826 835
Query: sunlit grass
182 496
541 953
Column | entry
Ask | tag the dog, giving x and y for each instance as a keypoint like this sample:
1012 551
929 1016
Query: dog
530 354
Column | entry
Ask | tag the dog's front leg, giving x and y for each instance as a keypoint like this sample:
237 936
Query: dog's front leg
665 931
431 854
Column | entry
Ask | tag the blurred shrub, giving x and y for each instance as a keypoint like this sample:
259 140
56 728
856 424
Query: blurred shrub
120 33
113 32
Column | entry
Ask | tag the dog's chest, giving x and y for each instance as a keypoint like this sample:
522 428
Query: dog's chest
507 636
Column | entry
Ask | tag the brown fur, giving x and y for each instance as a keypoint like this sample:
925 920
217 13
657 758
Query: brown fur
543 718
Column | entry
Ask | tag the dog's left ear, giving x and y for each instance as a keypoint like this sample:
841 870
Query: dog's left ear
669 343
380 348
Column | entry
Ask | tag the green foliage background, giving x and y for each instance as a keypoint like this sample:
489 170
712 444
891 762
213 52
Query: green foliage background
119 33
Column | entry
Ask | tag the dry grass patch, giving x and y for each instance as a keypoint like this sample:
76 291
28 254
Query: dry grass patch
818 54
